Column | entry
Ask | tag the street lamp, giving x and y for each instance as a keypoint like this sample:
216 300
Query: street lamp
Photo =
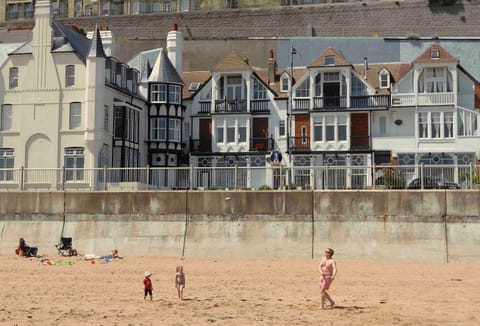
290 108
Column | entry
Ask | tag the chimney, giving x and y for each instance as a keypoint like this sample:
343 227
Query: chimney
365 67
272 68
175 48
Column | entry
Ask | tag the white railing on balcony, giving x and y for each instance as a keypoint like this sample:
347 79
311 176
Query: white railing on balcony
235 178
423 99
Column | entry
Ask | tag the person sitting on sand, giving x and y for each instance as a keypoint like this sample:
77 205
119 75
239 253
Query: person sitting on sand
112 254
25 250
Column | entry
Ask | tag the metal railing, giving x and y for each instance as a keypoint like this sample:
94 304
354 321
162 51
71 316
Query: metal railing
385 177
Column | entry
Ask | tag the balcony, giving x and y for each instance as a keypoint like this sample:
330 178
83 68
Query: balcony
329 103
300 144
229 106
370 101
360 142
423 99
261 144
259 106
200 145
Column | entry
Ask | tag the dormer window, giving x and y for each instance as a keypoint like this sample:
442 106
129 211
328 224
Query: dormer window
284 83
329 60
434 54
194 86
384 78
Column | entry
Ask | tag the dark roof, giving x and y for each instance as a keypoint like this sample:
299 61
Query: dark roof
96 45
164 71
67 40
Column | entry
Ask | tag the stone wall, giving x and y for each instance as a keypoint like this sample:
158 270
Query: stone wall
434 226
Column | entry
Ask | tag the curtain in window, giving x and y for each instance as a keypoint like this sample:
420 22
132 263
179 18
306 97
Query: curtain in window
420 83
449 82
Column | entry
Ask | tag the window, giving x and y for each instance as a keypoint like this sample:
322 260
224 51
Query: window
435 125
6 117
330 128
235 89
303 90
106 118
382 126
231 132
466 123
423 125
448 124
118 121
440 124
78 6
74 163
231 3
167 7
318 129
219 134
89 10
7 156
285 83
174 94
242 131
384 79
108 70
69 75
342 128
118 74
435 80
174 127
259 92
358 87
29 10
194 86
434 54
303 133
158 93
281 128
75 115
13 77
329 60
158 129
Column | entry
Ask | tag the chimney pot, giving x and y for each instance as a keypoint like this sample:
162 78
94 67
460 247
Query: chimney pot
270 56
175 27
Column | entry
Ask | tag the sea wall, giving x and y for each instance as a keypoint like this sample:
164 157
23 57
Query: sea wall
433 226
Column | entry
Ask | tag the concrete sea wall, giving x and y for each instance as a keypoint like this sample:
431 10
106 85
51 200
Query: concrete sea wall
433 226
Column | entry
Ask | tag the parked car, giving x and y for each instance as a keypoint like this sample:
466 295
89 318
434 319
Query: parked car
432 183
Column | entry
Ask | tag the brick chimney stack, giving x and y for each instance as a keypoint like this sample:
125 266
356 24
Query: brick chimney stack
272 68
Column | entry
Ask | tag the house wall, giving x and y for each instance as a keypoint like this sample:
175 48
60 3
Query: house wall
432 226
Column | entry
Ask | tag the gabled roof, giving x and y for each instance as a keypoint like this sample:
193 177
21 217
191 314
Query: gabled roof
330 52
66 40
396 70
232 61
444 56
163 70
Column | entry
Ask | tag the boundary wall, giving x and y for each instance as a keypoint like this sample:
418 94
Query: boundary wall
432 226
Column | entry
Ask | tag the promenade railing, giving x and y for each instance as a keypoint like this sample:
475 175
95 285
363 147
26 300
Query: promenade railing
382 177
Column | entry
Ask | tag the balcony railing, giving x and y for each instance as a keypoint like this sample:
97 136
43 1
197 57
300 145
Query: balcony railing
259 106
423 99
205 106
225 105
340 102
370 101
238 176
299 143
329 102
261 144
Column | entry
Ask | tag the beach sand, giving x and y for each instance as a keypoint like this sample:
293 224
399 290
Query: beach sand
236 292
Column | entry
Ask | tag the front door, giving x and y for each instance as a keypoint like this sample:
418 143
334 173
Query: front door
205 144
359 131
260 134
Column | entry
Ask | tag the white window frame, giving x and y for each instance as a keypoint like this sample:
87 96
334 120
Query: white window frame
158 93
303 89
384 79
6 117
7 161
285 83
318 123
13 78
259 91
69 75
158 129
441 122
282 128
174 130
75 115
174 94
74 163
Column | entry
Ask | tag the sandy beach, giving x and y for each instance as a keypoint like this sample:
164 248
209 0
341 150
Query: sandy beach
235 292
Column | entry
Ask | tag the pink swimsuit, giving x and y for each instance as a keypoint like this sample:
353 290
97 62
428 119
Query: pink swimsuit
325 281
